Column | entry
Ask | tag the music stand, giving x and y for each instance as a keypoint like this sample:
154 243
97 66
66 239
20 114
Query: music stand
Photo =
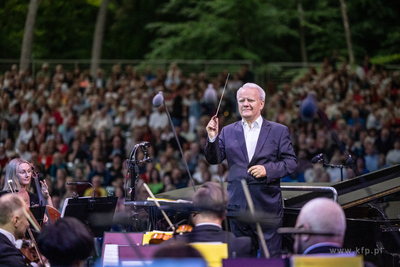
38 213
96 213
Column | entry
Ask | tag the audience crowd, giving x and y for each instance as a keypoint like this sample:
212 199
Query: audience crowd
75 127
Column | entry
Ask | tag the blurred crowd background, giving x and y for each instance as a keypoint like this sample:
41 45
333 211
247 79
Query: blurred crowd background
76 127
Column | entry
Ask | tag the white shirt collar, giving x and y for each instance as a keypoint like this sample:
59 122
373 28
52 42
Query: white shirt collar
201 224
258 122
321 245
8 235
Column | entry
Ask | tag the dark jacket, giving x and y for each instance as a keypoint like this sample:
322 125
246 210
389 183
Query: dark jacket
9 254
241 246
274 151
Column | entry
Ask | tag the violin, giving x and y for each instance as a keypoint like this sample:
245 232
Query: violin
29 247
158 238
183 229
29 251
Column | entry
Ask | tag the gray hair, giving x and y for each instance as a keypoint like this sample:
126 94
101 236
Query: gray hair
261 91
11 174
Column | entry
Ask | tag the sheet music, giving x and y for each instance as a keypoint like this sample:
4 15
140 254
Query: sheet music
111 257
64 206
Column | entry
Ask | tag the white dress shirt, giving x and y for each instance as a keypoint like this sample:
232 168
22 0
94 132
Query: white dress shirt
250 136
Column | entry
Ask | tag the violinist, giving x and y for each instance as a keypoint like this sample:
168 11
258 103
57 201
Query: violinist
18 177
13 225
212 201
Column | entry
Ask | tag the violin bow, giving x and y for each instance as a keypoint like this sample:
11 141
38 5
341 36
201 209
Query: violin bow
35 224
158 205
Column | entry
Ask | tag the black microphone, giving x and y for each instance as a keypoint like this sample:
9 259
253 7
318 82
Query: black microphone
84 183
308 108
158 99
317 158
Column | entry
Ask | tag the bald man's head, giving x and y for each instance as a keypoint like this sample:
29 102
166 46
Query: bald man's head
12 217
320 214
10 204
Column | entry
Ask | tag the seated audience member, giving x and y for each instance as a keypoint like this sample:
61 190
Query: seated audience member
212 201
155 184
393 156
116 168
13 225
100 170
100 191
67 242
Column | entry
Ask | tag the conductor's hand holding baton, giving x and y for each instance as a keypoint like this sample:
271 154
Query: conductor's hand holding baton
212 127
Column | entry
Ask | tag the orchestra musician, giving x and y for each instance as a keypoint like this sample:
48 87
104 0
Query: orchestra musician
13 226
260 152
212 202
323 215
18 178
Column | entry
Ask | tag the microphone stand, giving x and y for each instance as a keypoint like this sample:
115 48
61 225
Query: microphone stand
336 166
179 145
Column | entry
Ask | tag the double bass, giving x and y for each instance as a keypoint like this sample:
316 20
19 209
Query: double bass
52 213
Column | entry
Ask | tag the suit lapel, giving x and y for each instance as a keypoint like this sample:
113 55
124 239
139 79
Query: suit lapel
240 137
264 132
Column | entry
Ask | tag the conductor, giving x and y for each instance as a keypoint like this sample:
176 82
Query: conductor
260 152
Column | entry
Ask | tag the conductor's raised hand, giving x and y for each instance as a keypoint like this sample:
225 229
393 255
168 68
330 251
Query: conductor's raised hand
212 127
258 171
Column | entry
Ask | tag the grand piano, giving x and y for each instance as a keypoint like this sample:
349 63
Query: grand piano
371 203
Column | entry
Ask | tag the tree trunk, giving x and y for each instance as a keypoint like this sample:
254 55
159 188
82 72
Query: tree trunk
98 37
28 35
302 36
347 31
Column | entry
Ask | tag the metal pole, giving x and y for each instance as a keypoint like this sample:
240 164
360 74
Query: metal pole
312 188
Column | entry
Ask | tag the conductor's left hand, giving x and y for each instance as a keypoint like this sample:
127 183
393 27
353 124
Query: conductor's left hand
258 171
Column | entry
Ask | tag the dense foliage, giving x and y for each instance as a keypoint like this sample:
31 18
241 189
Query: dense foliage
261 30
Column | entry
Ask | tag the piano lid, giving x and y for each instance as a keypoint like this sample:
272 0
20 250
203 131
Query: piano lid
362 189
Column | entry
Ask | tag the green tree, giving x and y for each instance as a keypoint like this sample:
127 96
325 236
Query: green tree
64 29
12 21
224 29
126 35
